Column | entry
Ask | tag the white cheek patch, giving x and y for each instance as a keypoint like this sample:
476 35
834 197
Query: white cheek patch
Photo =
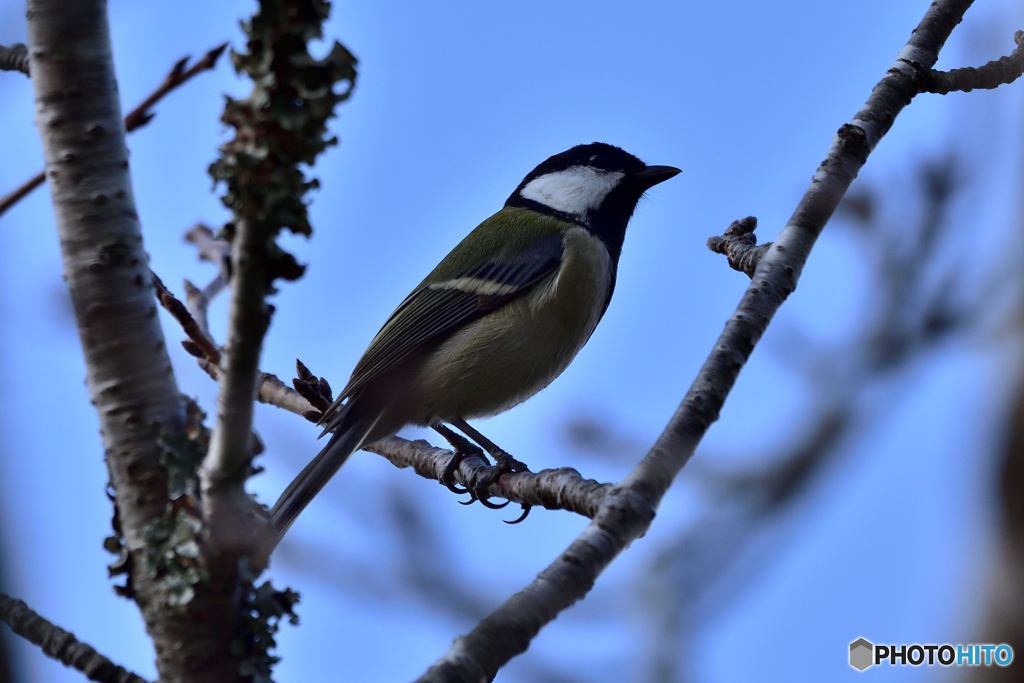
574 191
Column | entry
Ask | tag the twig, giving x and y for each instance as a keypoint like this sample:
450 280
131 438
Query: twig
62 645
14 58
217 252
135 119
200 341
738 244
992 75
628 508
142 115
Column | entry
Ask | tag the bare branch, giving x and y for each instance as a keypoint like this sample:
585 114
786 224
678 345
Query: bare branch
141 115
136 118
62 645
217 252
628 509
561 489
22 191
226 463
992 75
14 58
738 244
199 339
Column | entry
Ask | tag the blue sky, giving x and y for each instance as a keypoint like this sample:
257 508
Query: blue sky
455 103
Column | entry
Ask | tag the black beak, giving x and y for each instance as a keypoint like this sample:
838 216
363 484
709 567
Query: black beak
652 175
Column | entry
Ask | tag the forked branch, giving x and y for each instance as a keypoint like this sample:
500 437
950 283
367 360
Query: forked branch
992 75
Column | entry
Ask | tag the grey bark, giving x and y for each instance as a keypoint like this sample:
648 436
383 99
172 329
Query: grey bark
129 374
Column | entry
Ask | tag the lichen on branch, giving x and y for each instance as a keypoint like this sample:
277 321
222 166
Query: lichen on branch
279 128
282 124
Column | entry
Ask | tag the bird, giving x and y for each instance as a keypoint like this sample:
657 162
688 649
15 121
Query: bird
499 318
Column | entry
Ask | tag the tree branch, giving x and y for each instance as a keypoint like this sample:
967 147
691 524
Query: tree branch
739 244
628 509
135 119
560 489
14 58
62 645
280 128
992 75
129 375
227 462
204 345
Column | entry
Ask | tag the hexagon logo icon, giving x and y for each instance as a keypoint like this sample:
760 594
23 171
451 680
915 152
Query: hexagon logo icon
861 654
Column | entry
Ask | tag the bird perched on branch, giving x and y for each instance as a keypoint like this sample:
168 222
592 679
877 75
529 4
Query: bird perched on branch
497 320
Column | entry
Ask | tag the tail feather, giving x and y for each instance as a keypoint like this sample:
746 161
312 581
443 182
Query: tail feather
349 435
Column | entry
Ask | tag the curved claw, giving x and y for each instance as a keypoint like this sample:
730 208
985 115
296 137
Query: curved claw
493 506
466 502
526 511
448 475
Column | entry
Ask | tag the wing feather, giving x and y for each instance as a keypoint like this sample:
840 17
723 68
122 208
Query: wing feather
436 310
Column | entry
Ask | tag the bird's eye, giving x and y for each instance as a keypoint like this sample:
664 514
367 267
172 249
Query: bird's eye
598 160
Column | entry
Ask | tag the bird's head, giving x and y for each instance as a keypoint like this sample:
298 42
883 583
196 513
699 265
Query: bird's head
596 185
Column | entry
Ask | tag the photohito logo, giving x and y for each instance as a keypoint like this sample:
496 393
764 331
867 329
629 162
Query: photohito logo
863 654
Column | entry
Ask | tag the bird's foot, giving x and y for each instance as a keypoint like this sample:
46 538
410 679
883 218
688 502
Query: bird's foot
461 447
504 464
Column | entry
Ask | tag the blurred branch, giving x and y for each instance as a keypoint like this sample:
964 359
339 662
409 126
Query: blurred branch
14 58
992 75
1003 616
628 509
217 252
62 645
178 75
135 119
202 343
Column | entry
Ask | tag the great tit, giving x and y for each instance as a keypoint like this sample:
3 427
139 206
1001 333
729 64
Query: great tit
498 319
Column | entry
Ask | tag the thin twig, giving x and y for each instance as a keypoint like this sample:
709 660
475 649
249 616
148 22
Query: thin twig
628 508
218 253
135 119
62 645
14 58
142 115
202 343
